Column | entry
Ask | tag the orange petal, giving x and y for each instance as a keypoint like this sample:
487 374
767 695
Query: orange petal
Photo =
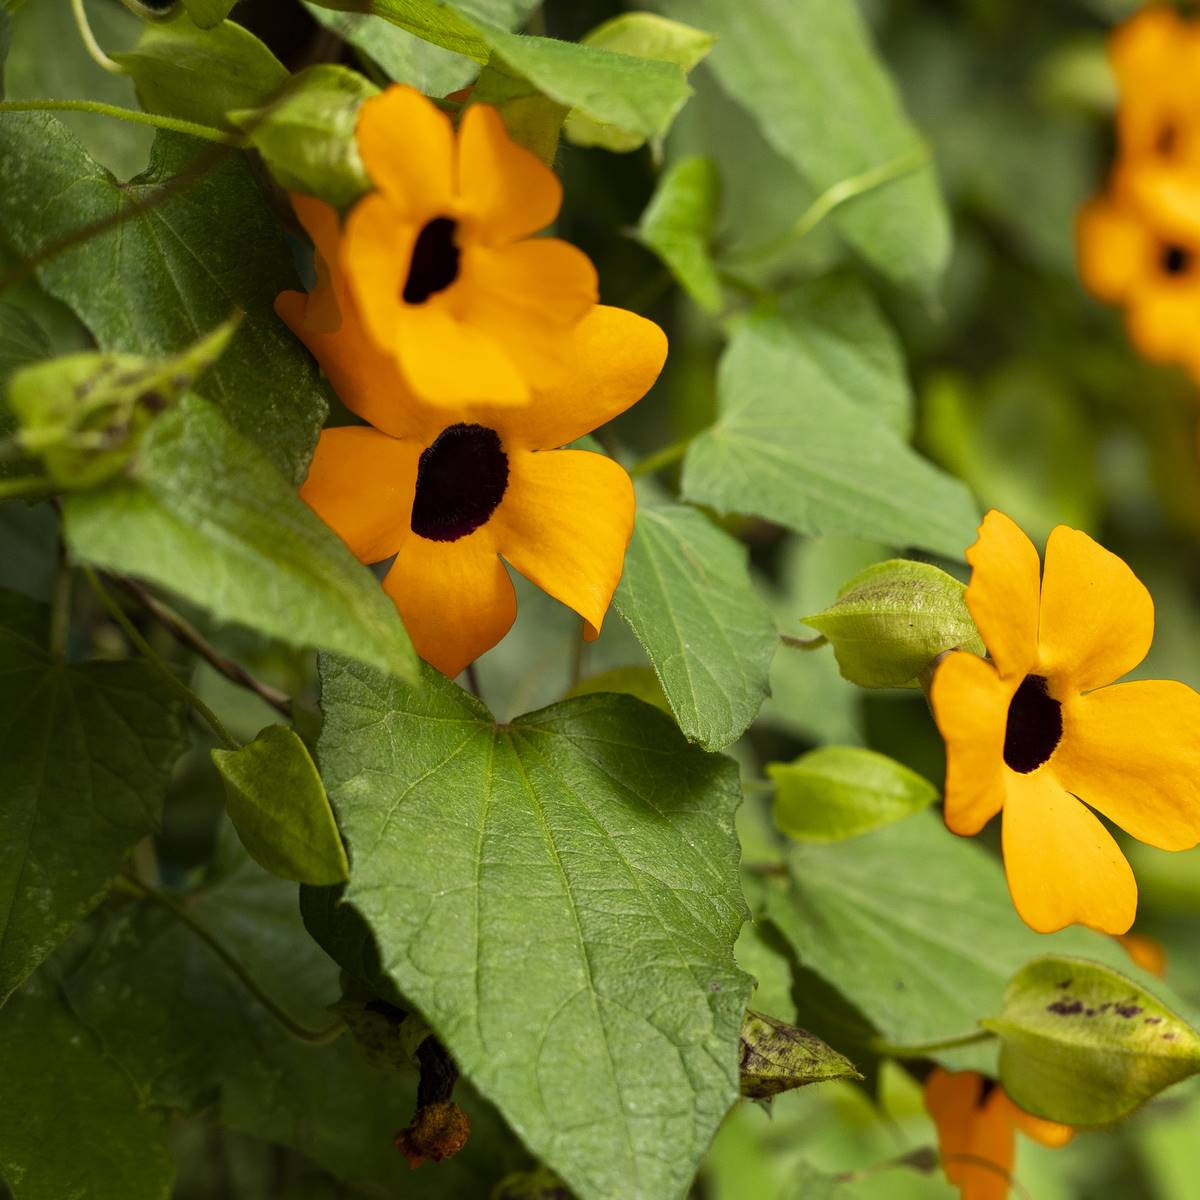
565 523
1062 865
1161 321
993 1140
321 222
407 147
1145 952
451 362
504 190
376 250
1097 619
366 380
361 484
614 356
970 705
1114 249
1003 594
455 598
1045 1133
952 1100
1133 752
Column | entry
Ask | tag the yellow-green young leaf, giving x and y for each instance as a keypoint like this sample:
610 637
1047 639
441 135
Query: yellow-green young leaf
200 74
678 226
277 803
645 35
777 1057
1083 1044
893 619
838 792
629 681
204 514
603 1023
85 414
306 136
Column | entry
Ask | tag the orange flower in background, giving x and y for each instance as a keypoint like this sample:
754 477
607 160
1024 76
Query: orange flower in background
977 1125
1140 247
1034 731
440 262
1145 952
451 492
1155 56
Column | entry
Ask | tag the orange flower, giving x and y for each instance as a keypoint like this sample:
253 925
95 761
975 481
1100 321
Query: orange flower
448 492
1034 731
1140 246
1155 56
976 1126
440 262
1145 952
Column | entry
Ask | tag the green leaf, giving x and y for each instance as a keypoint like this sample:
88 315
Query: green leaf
207 13
278 805
206 515
85 414
777 1057
678 226
401 55
640 95
531 118
604 1024
169 273
792 448
71 1122
306 136
1083 1044
893 619
22 341
688 598
200 74
838 792
644 35
86 751
914 927
808 73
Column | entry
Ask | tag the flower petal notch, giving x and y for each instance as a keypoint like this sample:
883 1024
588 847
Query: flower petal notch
1041 730
439 261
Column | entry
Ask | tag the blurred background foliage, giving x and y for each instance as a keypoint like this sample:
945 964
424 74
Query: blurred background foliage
1024 387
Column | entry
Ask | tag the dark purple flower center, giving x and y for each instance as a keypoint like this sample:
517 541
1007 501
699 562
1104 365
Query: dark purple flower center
1176 260
434 265
461 479
1035 725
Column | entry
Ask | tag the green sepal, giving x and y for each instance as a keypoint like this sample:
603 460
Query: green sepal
84 414
1083 1044
893 619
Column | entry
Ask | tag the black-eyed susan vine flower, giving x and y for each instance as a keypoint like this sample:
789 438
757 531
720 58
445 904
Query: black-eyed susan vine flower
440 262
1036 732
449 491
976 1126
1139 242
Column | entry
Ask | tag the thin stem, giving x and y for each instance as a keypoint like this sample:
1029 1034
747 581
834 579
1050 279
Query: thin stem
837 195
665 457
26 487
473 681
316 1037
799 643
921 1049
60 606
130 630
187 635
174 124
577 649
89 41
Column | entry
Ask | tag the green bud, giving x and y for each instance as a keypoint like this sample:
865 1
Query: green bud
777 1057
306 135
838 792
84 414
1083 1044
893 619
